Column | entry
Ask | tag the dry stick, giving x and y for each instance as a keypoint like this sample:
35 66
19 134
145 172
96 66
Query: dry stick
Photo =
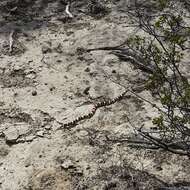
135 62
107 48
11 41
117 50
117 47
163 145
133 143
68 12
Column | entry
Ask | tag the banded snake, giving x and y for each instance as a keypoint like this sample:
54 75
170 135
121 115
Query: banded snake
93 110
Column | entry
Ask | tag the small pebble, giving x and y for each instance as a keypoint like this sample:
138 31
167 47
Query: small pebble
67 164
30 138
11 134
87 69
86 91
34 93
40 133
46 49
52 88
159 168
47 127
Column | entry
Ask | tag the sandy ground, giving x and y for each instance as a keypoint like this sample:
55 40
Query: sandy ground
44 81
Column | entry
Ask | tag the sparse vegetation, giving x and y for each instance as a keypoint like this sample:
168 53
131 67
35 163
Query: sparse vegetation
159 52
76 119
163 48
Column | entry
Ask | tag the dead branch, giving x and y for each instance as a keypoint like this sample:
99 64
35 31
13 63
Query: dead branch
11 41
68 12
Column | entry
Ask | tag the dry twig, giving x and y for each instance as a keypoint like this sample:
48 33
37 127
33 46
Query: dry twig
68 12
11 41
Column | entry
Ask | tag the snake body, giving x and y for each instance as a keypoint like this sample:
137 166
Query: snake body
94 109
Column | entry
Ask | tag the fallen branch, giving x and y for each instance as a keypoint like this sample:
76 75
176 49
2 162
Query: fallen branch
163 145
135 62
126 55
11 41
68 12
108 48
